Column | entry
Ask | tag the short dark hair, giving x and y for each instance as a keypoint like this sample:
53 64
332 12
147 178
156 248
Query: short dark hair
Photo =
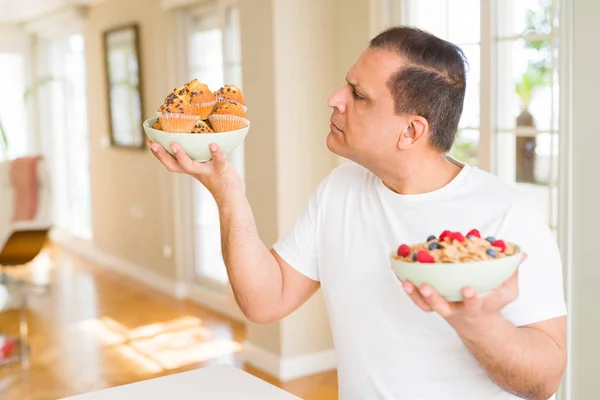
433 82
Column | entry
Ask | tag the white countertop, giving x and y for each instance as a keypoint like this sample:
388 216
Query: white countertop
220 382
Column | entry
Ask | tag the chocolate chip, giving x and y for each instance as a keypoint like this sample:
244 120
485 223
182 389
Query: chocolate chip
229 89
194 94
181 92
202 92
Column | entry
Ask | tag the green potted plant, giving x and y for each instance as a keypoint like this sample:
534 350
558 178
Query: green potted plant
535 77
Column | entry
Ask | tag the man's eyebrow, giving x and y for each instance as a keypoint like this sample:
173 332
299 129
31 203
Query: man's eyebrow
356 86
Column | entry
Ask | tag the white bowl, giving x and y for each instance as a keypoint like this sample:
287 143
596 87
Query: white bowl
448 279
196 145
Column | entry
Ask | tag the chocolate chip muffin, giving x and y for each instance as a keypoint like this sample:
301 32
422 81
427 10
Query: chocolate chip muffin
199 99
202 127
228 117
175 113
231 94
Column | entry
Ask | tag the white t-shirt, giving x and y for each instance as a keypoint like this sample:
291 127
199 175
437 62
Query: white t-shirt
386 347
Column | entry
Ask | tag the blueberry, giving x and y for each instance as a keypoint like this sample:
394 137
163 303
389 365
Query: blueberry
491 252
471 236
414 256
490 239
434 245
430 238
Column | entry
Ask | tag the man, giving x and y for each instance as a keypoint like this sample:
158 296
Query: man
396 118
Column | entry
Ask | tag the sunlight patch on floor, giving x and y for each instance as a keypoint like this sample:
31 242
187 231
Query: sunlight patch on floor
160 346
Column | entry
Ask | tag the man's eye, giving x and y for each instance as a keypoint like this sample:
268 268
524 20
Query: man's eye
356 95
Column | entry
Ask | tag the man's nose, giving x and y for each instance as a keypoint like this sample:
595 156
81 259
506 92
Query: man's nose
338 100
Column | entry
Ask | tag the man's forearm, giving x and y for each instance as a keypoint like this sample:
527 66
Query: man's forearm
253 272
523 361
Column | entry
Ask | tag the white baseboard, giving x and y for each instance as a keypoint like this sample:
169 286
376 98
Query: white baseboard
288 368
87 249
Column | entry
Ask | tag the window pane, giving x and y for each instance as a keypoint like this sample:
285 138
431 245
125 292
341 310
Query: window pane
528 159
470 116
12 105
532 164
556 92
545 198
465 146
205 51
419 14
525 97
233 37
528 17
463 21
123 88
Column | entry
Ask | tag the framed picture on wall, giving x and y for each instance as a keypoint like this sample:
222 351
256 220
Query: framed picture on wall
123 80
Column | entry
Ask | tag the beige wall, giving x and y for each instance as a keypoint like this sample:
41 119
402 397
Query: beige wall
304 75
292 61
310 45
296 67
12 38
353 27
258 67
585 319
131 192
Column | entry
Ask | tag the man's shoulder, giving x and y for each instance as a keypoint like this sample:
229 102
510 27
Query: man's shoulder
490 187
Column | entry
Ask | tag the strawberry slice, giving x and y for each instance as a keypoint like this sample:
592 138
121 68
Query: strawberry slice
474 232
500 244
403 250
424 256
457 236
444 235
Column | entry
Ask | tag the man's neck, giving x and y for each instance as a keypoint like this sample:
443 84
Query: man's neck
422 175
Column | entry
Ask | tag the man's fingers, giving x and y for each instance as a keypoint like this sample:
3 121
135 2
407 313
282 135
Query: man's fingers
187 164
415 296
435 301
165 158
470 298
218 158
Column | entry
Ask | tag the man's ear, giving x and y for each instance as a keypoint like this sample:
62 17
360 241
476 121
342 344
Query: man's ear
414 128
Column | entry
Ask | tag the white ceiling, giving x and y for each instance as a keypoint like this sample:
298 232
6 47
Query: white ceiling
14 11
